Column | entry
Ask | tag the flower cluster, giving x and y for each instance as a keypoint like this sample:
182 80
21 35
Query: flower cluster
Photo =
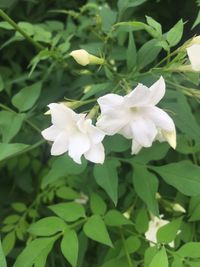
135 116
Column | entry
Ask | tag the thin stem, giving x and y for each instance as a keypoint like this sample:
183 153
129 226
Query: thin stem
17 28
125 249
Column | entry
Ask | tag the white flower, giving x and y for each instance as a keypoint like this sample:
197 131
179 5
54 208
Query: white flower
136 117
194 56
154 224
74 133
83 58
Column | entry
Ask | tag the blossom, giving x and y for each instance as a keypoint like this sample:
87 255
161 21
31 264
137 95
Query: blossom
193 52
154 225
136 117
74 133
83 58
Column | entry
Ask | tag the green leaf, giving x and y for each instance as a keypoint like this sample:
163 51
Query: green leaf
67 193
106 176
122 262
61 167
7 129
142 220
27 27
2 257
124 4
148 53
108 18
115 218
8 243
150 252
95 229
27 97
157 152
116 143
97 204
47 226
184 118
146 187
197 20
8 150
18 206
131 56
160 259
1 82
11 219
70 247
168 232
177 262
42 258
153 23
183 175
34 250
70 211
132 244
190 250
175 34
5 25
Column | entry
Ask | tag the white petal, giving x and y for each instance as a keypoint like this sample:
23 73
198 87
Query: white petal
95 134
51 133
96 154
110 125
157 91
170 138
126 131
61 115
60 144
144 131
109 102
138 97
135 148
78 144
161 119
194 56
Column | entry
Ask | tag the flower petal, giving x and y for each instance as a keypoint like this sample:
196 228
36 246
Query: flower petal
60 144
157 91
135 148
138 97
170 137
78 144
126 131
96 154
51 133
194 56
144 131
61 116
161 119
109 102
110 124
95 134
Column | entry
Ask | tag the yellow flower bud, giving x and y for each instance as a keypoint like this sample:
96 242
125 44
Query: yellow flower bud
83 58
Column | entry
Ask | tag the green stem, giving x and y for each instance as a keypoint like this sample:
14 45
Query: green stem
125 249
17 28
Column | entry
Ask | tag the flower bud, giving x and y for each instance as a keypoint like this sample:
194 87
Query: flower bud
177 207
83 58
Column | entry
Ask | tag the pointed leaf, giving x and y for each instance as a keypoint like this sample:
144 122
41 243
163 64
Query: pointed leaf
95 229
69 247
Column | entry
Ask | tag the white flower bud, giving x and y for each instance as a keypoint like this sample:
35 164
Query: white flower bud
83 58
